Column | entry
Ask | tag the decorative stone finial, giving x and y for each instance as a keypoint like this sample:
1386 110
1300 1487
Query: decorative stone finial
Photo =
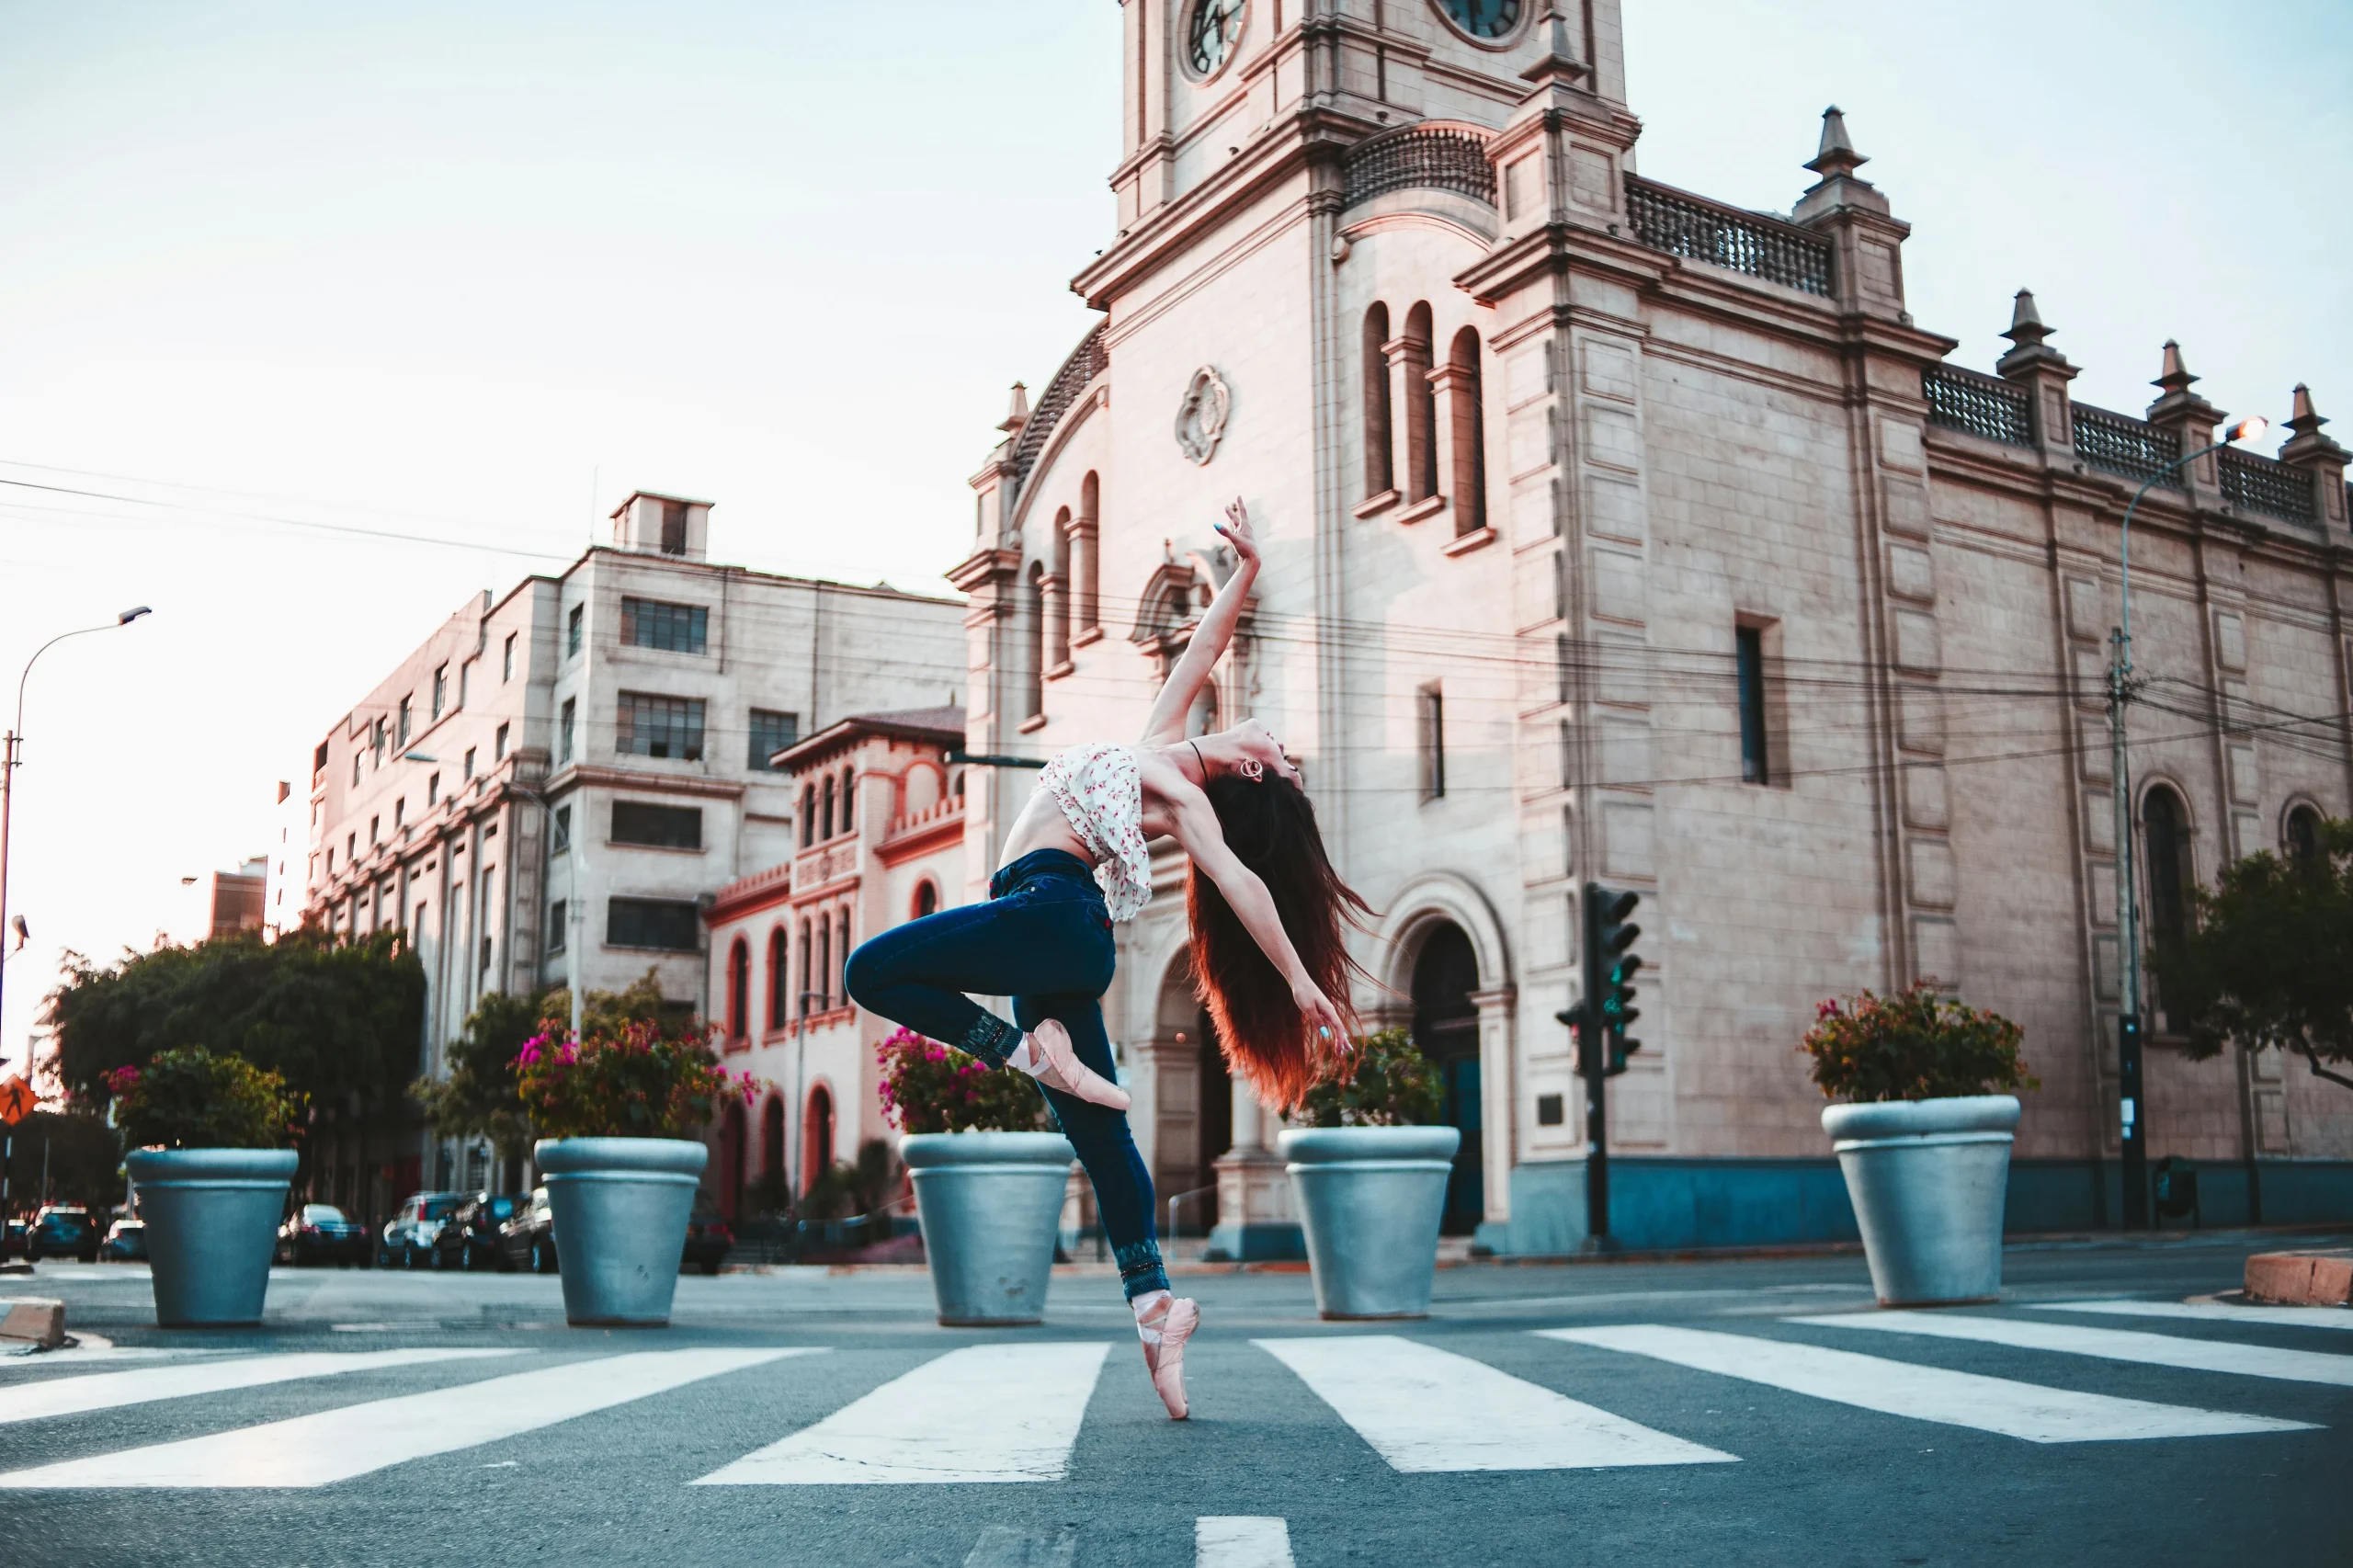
1560 57
2027 327
2174 377
1017 413
2301 416
2027 332
1837 155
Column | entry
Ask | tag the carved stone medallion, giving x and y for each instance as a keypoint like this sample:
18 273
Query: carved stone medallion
1201 415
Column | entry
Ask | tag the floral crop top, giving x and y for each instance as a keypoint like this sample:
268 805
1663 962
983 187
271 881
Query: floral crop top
1100 791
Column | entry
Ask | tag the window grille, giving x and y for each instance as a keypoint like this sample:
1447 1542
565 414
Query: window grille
1752 243
1980 405
2118 444
772 732
1427 157
666 925
676 629
2265 485
660 726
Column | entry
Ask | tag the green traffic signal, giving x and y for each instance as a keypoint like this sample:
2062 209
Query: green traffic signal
1614 966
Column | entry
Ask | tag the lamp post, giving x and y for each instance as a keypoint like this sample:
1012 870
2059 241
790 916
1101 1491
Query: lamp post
9 760
2132 1124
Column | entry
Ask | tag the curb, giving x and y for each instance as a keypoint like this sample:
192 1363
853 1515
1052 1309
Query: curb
2301 1278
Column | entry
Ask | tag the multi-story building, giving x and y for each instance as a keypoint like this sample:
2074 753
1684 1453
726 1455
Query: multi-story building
880 840
221 904
1617 534
556 784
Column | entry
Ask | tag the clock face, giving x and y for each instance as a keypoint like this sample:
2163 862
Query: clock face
1210 35
1483 18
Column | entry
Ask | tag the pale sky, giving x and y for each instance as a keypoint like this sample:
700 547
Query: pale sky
475 272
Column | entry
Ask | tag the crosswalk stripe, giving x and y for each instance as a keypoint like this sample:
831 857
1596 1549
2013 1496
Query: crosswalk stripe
1927 1394
2210 1312
335 1445
1240 1540
2109 1343
1002 1546
982 1414
1424 1410
79 1396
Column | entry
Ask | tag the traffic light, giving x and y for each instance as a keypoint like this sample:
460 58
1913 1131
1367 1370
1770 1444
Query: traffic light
1587 1039
1610 967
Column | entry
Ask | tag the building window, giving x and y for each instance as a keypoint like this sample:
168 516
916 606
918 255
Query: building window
849 797
507 660
498 746
465 681
2164 828
780 978
376 745
1377 477
772 732
805 968
674 629
1421 407
330 859
1033 698
354 770
926 899
825 963
1467 430
1057 594
739 990
350 847
432 789
557 912
1429 705
2302 837
470 762
665 925
572 631
373 836
825 811
808 815
1755 763
837 978
561 838
408 718
660 726
440 689
674 529
663 827
1085 573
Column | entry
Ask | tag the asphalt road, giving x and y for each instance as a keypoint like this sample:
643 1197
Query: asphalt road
1717 1413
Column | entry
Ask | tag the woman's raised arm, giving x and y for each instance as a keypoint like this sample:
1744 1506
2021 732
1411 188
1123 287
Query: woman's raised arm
1166 724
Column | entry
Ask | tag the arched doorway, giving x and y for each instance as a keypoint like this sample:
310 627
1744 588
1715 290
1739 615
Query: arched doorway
1214 1094
816 1137
731 1162
1446 1028
772 1172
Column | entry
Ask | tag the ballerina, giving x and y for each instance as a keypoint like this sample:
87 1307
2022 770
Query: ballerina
1266 912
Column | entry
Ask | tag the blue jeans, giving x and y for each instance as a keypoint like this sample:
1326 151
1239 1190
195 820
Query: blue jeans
1043 938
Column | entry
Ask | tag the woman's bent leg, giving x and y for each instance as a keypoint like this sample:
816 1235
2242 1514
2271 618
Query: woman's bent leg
1106 1146
917 974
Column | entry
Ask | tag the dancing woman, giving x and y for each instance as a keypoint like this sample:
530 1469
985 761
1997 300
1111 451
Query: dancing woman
1266 911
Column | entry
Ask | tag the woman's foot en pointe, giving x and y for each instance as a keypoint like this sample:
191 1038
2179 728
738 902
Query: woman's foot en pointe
1164 1350
1053 1062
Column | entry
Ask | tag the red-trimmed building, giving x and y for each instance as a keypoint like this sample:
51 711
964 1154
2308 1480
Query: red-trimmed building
879 833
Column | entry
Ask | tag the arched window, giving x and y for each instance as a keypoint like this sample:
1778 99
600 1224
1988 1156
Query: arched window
772 1144
825 810
1378 474
1466 431
957 784
779 979
808 815
2302 839
739 990
837 978
926 899
1084 600
1033 673
817 1136
849 793
1421 408
824 964
804 1008
2164 832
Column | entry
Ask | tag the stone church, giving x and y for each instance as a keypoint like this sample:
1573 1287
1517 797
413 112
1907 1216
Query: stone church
1615 533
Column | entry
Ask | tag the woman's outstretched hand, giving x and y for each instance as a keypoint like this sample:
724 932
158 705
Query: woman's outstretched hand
1331 1031
1236 528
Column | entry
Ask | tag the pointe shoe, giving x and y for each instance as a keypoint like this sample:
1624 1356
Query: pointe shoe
1166 1361
1050 1043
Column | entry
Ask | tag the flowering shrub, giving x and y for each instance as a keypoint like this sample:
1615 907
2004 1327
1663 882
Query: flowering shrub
189 1098
928 1088
1385 1081
1917 1045
628 1084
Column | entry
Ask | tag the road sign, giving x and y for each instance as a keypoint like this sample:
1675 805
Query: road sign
16 1101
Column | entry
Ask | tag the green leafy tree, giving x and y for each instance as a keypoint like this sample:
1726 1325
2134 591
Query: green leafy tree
333 1019
928 1088
84 1156
1385 1081
1915 1045
2271 963
191 1099
479 1097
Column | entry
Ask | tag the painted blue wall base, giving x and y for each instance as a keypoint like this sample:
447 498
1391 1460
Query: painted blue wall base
1260 1242
1665 1204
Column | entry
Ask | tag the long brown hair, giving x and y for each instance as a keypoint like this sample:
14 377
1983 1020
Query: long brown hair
1270 826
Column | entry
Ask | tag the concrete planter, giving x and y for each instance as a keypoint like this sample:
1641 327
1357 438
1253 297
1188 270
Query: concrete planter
619 1207
1927 1179
1370 1198
211 1219
990 1203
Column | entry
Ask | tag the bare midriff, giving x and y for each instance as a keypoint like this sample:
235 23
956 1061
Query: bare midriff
1042 825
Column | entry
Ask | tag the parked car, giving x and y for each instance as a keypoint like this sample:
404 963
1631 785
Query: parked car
708 1237
527 1238
409 1235
126 1241
319 1232
63 1230
12 1244
469 1239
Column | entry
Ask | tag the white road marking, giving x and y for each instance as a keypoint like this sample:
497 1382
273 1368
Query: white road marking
107 1391
2110 1343
1240 1540
335 1445
2210 1312
1424 1410
1924 1394
982 1414
1002 1546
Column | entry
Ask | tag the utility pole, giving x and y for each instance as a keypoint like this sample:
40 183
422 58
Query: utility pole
2133 1126
1600 1019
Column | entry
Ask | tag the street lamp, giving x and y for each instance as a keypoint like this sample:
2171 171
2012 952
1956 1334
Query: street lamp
9 761
2130 1100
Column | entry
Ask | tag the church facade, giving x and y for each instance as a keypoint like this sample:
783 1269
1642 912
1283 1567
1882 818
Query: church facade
1617 534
